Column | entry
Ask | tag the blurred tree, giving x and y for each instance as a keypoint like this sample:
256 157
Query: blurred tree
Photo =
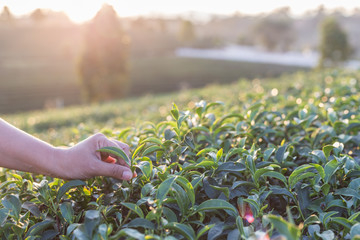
275 32
151 37
103 65
187 32
37 15
334 46
6 16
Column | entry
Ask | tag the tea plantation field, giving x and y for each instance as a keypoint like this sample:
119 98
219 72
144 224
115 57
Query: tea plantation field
260 159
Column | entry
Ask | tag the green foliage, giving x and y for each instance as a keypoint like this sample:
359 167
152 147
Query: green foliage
260 163
103 66
334 45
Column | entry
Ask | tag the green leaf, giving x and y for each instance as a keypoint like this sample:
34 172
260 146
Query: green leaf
137 150
327 150
353 217
135 208
348 192
295 175
325 188
175 112
213 204
117 152
204 230
330 168
289 230
132 233
219 154
184 183
225 190
183 229
313 219
240 226
204 151
164 188
141 222
206 163
4 213
67 212
217 103
261 171
234 167
67 186
277 175
319 169
280 153
13 204
39 228
342 221
332 117
181 198
92 220
169 215
152 149
355 231
326 235
326 216
146 168
153 140
267 153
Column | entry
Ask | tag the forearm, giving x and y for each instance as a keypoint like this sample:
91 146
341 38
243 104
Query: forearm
21 151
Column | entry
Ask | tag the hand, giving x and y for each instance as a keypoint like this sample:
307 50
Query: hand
83 161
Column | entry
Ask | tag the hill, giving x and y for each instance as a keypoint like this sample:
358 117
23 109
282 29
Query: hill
250 160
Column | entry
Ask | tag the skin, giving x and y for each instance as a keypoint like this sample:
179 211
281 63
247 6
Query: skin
23 152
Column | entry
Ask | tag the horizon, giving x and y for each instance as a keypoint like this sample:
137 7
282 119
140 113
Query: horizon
84 11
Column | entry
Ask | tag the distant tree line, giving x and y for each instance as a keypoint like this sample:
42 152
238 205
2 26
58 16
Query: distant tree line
109 41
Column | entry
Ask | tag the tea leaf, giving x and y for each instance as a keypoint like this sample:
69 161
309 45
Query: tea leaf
67 212
67 186
184 183
183 229
38 228
290 231
135 208
117 152
13 204
214 204
164 188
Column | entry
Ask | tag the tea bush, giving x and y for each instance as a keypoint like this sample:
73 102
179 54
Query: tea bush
280 162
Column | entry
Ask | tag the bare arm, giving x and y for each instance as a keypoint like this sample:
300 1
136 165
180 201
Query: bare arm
21 151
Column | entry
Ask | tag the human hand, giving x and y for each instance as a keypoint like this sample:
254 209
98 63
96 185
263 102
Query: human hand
83 161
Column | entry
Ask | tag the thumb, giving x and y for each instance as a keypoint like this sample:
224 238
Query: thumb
114 170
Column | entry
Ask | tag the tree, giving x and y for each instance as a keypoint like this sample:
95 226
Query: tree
6 16
103 65
38 15
275 31
334 46
187 32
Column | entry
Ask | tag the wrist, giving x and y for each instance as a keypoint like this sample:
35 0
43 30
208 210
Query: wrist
56 164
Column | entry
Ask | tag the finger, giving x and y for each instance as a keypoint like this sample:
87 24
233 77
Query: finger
109 159
123 146
102 141
113 170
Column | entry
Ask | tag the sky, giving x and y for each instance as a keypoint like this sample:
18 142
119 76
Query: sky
83 10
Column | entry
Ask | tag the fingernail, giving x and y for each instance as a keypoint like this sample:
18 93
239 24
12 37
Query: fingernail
127 175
